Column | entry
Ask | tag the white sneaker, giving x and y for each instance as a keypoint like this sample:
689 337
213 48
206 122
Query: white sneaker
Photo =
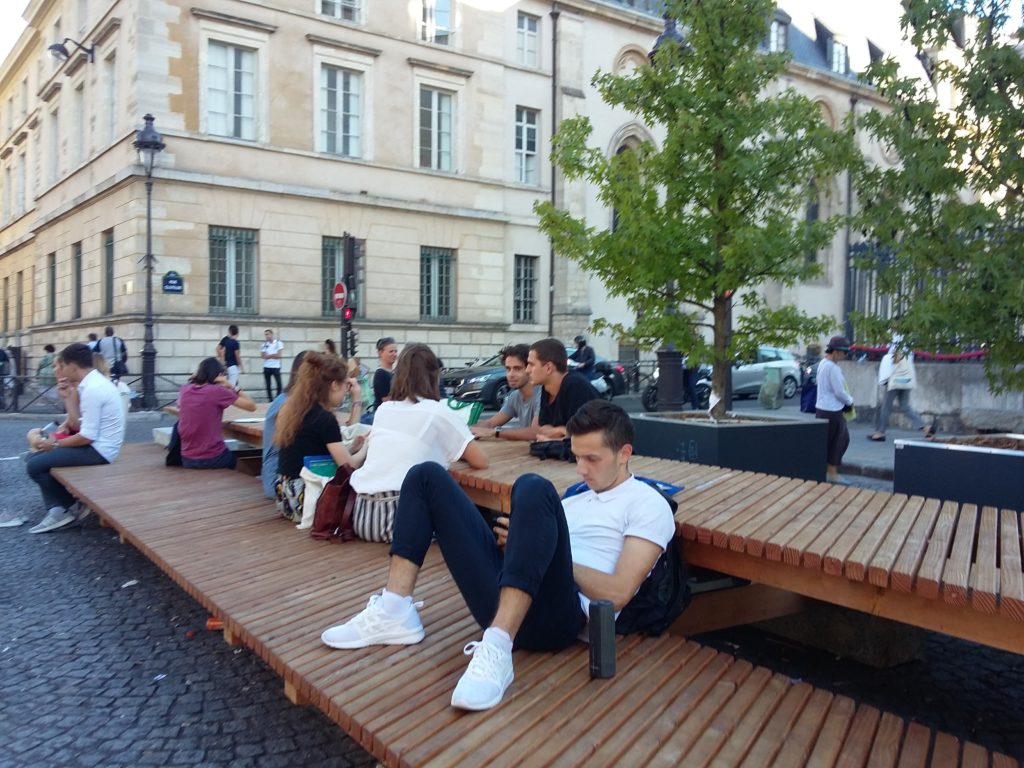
56 518
12 519
484 682
372 626
80 511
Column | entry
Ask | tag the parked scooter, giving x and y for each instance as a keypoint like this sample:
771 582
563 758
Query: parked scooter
649 398
601 381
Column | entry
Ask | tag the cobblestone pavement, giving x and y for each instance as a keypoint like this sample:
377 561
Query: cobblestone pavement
104 661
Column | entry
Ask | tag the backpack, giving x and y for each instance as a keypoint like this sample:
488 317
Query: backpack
333 518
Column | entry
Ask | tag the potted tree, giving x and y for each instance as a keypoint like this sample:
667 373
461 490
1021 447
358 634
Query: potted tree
945 226
710 213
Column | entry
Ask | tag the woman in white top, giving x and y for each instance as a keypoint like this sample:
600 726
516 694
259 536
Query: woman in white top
833 401
411 427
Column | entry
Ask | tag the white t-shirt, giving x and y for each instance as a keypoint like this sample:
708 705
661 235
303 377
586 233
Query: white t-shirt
600 522
405 434
270 347
102 414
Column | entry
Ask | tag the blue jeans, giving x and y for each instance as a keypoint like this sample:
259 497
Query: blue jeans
40 464
536 559
226 460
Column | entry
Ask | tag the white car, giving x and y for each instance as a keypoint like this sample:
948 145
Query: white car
748 377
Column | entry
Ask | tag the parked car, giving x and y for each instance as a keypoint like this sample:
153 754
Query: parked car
748 377
484 380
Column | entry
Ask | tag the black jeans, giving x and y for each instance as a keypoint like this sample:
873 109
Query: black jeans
838 436
225 460
536 559
275 374
40 464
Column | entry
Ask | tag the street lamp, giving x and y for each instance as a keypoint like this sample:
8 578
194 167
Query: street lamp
149 143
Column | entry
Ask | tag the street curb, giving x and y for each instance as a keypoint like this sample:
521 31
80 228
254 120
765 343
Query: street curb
51 415
867 470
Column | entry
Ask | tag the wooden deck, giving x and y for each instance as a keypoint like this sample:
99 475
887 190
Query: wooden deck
673 702
938 565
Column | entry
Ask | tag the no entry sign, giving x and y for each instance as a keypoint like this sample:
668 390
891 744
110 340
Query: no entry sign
340 295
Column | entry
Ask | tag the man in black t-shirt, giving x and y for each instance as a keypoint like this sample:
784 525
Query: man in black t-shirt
229 353
564 393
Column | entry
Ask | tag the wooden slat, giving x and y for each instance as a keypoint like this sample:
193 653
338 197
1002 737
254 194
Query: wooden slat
773 548
796 750
884 560
956 576
814 554
1011 577
860 738
929 575
830 741
916 744
886 748
856 563
905 571
760 539
779 727
985 574
834 561
793 550
946 752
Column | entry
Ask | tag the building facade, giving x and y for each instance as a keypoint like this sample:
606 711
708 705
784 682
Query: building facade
419 127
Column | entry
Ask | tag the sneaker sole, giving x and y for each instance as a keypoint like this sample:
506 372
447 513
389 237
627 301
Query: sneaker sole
57 526
405 639
13 523
481 706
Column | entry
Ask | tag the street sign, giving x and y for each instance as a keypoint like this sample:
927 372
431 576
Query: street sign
340 295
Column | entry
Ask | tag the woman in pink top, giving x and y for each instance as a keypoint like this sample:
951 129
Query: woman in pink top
201 405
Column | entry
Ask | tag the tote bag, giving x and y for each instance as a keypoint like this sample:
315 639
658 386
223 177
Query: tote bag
903 374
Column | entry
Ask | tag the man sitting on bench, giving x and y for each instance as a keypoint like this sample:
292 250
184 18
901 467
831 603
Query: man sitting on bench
533 578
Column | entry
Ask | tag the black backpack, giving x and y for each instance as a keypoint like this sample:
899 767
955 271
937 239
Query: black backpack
664 594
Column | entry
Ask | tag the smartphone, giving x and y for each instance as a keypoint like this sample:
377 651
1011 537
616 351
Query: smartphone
49 429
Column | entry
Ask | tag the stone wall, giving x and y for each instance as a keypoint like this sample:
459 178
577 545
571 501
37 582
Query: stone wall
957 394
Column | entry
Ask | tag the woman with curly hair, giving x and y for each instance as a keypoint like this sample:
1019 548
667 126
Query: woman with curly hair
408 429
307 426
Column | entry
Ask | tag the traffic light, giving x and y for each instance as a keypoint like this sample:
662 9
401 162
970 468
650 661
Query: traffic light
349 314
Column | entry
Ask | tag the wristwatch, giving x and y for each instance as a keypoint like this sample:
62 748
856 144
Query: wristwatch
497 431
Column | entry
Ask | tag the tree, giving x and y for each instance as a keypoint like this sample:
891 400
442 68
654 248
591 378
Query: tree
949 218
717 209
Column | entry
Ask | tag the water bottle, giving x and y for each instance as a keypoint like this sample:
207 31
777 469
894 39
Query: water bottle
602 639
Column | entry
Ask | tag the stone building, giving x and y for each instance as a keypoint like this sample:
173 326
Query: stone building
420 127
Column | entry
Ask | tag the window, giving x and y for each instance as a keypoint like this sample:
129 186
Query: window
54 165
839 58
435 129
231 91
812 213
19 300
110 98
76 280
524 297
51 281
340 110
436 283
78 129
83 15
777 34
108 272
332 269
437 21
232 270
526 145
526 40
10 114
24 97
8 193
346 10
7 304
19 200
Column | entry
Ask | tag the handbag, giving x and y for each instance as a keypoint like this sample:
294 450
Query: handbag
903 374
470 412
552 449
373 518
332 520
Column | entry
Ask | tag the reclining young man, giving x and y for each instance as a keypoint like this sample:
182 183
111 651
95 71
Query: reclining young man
529 584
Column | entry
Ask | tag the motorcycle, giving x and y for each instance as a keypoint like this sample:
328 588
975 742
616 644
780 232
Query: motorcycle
599 380
649 398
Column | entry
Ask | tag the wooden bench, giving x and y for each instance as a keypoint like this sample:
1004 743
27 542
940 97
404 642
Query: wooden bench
937 565
673 702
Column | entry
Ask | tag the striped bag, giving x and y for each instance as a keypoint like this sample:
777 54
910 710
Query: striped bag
373 518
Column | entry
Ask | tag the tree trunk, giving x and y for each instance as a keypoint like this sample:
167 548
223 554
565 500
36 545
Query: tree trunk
722 359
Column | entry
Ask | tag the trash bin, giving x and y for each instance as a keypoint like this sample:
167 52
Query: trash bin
770 395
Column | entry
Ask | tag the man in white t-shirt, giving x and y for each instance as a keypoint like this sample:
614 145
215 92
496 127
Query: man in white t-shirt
271 350
532 578
99 438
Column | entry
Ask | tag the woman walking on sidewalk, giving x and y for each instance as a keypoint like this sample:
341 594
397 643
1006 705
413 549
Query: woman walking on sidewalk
897 378
833 402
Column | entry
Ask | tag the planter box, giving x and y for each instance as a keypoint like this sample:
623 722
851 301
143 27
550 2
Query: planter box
965 473
777 446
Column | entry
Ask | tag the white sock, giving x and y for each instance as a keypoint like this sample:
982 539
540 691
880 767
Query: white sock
394 605
498 637
56 511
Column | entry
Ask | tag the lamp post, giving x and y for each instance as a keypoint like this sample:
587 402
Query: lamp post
149 143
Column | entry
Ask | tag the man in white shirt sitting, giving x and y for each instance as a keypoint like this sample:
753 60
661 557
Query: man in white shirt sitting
531 580
98 440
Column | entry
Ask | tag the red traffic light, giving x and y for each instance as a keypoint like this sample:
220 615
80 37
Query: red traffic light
349 313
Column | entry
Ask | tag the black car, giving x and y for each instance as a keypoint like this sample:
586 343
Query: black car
484 380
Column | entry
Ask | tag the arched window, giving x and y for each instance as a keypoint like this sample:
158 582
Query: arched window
615 211
812 213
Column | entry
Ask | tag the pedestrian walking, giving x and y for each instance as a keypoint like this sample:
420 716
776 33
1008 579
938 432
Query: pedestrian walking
833 403
897 378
